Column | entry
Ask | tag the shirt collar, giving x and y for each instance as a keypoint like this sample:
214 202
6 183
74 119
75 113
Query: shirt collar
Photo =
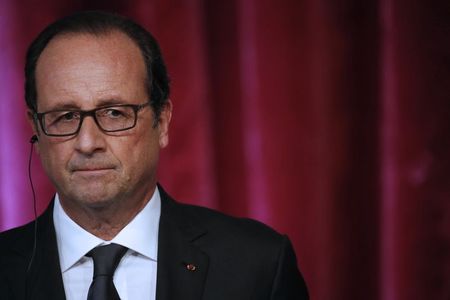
140 235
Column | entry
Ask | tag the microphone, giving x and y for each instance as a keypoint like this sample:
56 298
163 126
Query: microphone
33 139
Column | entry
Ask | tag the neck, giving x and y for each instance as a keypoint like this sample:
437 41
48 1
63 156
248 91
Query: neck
105 221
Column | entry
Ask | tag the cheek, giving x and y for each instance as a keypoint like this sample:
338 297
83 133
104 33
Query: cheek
137 151
53 157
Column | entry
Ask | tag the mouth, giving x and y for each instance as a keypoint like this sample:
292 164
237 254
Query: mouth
92 171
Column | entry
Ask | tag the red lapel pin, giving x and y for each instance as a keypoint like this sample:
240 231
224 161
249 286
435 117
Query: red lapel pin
191 267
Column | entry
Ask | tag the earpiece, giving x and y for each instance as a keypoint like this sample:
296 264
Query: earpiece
33 139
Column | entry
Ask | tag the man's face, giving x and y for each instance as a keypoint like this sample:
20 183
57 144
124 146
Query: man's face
93 168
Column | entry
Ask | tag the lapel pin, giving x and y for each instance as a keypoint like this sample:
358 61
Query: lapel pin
191 267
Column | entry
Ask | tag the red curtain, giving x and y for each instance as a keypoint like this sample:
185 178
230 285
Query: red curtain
328 120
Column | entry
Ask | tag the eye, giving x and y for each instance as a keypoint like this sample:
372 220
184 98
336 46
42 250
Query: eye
68 116
113 113
56 119
116 112
62 117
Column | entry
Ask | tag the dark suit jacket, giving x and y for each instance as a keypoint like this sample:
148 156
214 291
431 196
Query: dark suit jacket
234 258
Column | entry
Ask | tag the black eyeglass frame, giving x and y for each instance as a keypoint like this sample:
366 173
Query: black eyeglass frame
84 113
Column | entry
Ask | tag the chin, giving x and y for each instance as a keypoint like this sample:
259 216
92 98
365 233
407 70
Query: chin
94 198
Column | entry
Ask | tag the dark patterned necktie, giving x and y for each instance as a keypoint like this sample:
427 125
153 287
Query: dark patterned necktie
106 259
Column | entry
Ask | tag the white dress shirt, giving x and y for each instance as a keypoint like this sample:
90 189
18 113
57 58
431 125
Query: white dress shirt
135 277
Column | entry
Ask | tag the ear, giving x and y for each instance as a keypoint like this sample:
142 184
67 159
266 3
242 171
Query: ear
163 126
34 125
33 122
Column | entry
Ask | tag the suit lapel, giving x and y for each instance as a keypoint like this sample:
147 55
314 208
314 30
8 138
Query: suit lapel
44 281
182 266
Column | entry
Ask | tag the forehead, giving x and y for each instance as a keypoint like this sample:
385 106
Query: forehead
76 46
85 65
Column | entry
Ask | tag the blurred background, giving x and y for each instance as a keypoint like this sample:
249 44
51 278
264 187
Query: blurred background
328 120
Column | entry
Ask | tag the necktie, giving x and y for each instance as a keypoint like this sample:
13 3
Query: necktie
106 259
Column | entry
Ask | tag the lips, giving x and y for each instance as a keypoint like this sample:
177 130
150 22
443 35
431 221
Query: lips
92 172
91 167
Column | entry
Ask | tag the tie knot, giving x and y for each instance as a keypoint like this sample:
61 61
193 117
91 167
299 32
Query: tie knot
106 259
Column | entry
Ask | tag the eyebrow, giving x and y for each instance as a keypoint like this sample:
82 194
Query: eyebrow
72 105
111 101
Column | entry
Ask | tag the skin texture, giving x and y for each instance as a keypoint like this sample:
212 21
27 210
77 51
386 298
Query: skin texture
103 179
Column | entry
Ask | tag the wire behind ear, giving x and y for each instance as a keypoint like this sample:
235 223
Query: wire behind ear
33 140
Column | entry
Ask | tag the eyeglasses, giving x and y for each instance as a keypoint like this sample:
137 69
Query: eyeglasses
108 118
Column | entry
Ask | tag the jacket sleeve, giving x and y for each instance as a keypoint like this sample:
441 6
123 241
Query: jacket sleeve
288 283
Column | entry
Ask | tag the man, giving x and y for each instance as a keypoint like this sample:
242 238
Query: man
97 93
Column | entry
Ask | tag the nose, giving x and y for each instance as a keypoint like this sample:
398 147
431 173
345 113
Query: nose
90 138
